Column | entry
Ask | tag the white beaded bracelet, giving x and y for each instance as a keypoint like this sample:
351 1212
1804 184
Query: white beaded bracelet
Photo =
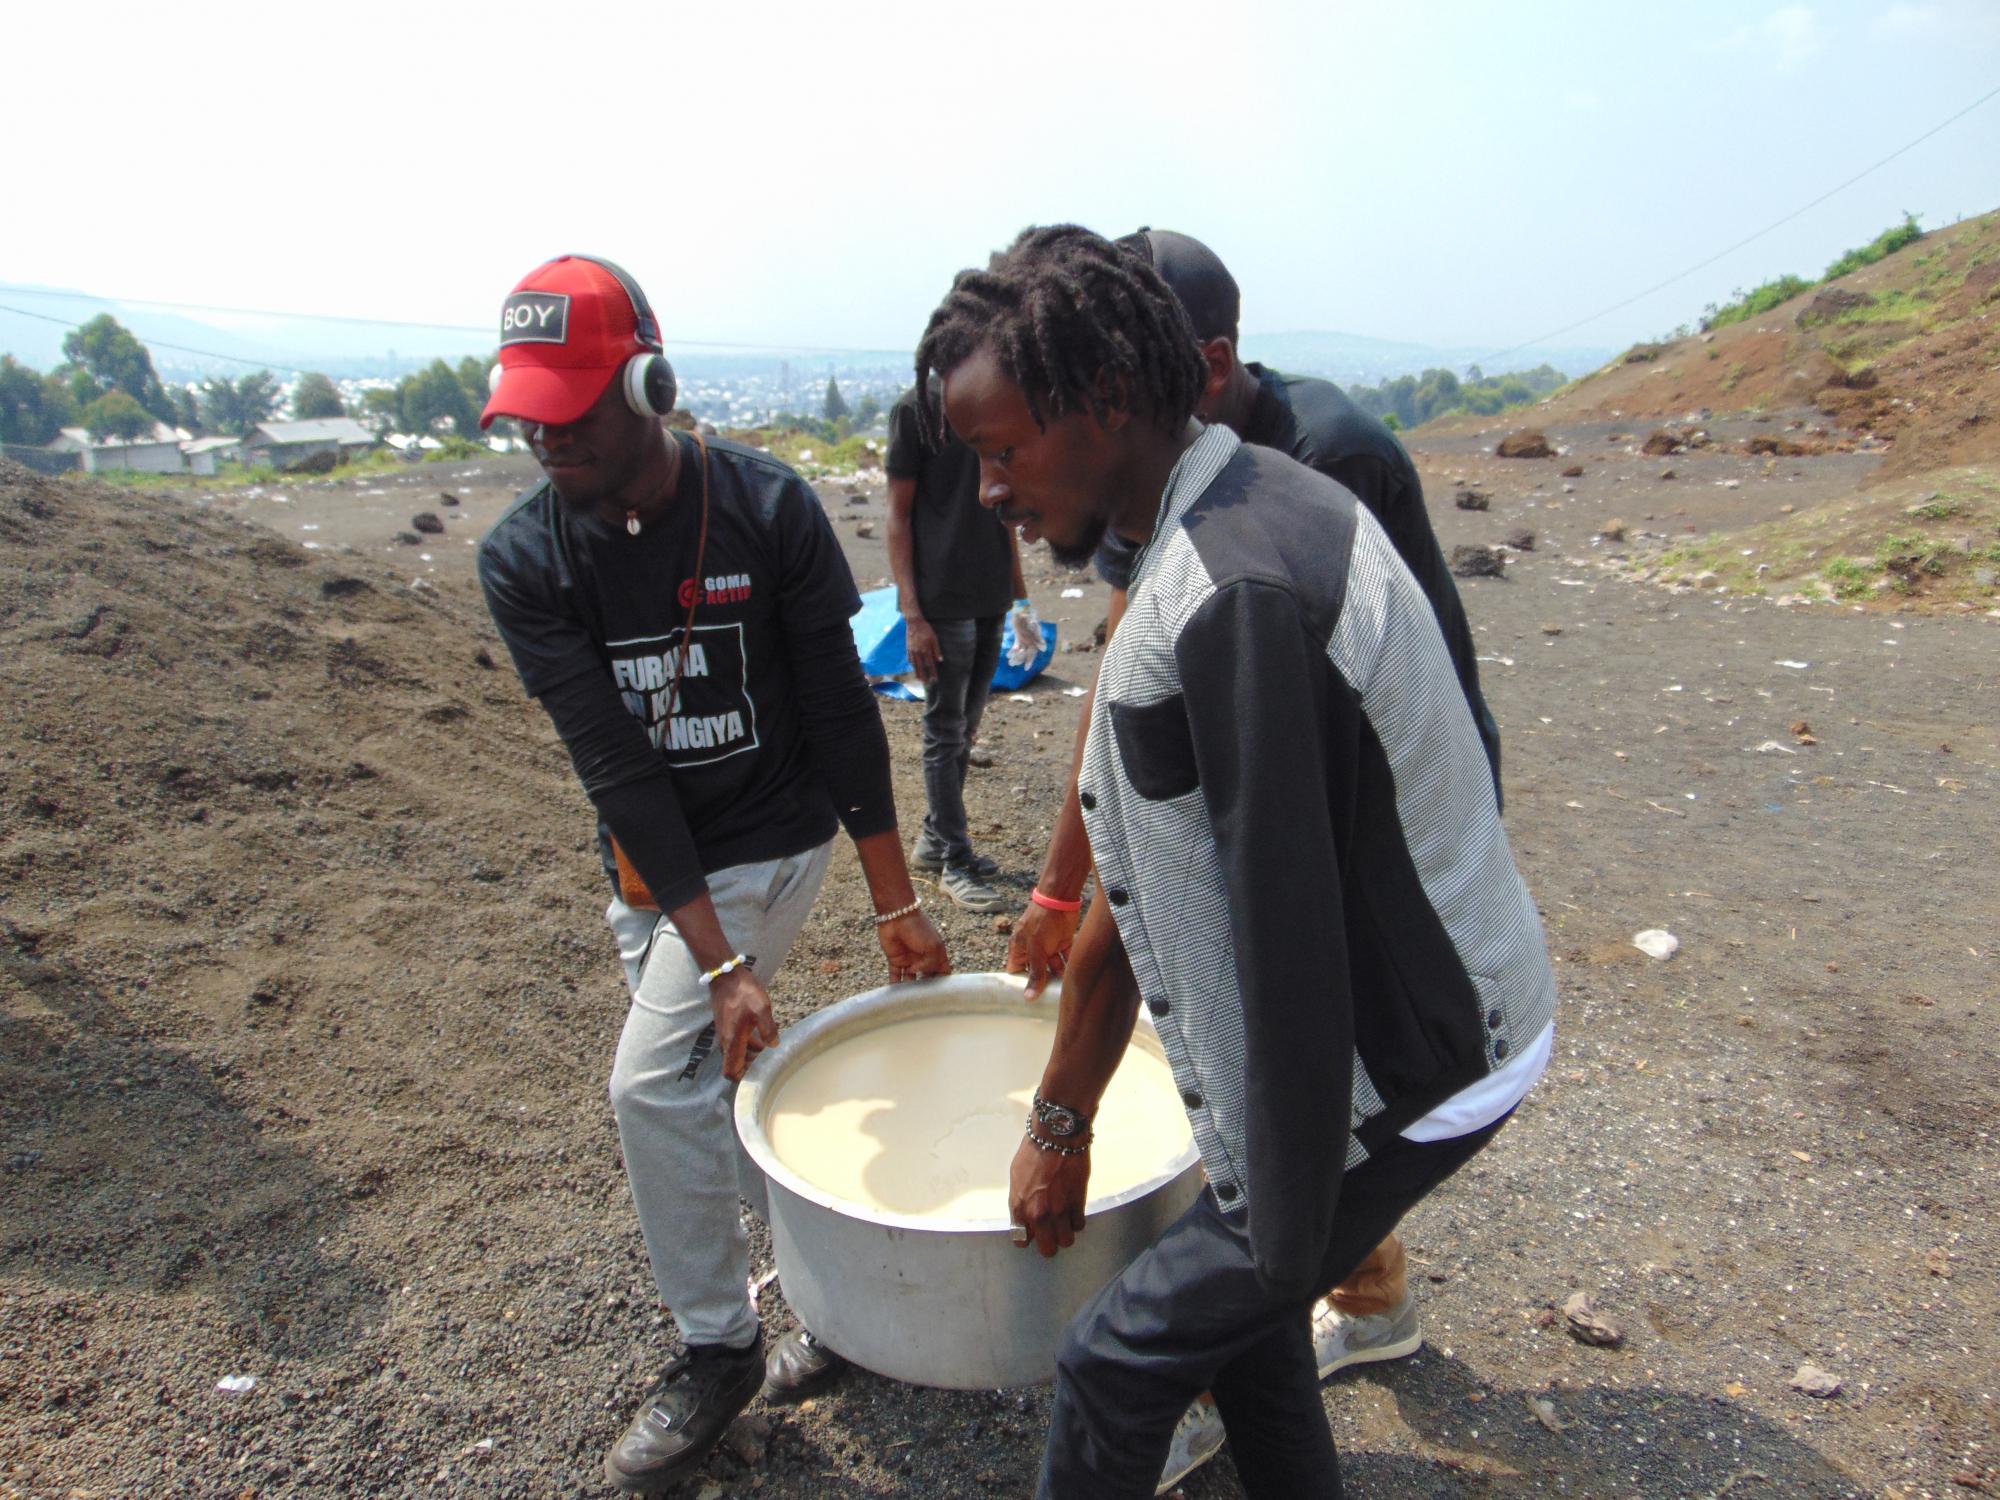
741 961
901 911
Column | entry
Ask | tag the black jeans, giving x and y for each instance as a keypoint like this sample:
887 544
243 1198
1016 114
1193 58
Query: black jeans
1190 1314
954 702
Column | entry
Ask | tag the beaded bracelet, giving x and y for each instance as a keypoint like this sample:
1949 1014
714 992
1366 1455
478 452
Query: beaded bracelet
1054 903
1079 1149
901 911
740 961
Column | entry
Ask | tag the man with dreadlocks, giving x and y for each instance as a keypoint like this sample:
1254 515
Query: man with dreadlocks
1372 1316
1303 872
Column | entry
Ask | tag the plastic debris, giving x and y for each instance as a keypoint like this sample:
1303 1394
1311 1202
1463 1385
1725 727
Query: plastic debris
1072 593
1656 942
236 1385
1796 666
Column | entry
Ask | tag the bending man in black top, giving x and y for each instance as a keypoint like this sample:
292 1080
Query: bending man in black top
681 610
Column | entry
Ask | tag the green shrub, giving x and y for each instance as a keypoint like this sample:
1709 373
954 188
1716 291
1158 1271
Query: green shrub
1885 244
1756 302
452 448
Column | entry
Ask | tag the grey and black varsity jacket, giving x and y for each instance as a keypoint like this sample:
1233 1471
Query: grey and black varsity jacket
1294 822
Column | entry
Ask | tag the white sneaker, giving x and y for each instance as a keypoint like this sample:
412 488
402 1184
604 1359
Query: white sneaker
1198 1437
1340 1341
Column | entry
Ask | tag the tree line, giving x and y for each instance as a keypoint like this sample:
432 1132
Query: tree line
1412 400
108 386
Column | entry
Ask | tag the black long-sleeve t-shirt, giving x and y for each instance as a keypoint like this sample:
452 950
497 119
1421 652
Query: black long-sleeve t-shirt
747 739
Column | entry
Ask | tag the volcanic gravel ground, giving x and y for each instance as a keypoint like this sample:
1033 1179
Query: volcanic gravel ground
306 1011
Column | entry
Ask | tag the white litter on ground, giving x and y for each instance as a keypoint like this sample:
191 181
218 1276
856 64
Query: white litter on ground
236 1385
1656 942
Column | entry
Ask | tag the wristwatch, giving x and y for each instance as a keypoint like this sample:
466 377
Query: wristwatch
1061 1122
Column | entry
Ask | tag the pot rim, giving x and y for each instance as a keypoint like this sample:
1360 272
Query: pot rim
953 994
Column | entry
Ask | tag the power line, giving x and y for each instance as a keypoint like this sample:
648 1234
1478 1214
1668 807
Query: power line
354 322
1747 239
261 364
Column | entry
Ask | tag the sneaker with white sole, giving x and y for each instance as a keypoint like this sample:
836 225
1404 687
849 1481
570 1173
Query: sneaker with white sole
969 889
1198 1437
1340 1341
985 866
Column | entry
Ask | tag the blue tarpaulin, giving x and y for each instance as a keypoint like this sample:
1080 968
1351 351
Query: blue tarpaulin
885 654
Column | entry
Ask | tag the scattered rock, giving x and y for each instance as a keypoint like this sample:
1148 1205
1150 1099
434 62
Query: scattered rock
1831 305
1613 530
483 659
427 522
1811 1380
409 539
1774 447
1003 924
1937 1261
1662 442
747 1437
1471 500
865 530
1552 630
829 966
446 497
1526 443
1574 471
1588 1326
1668 474
1477 562
1521 539
342 588
1545 1413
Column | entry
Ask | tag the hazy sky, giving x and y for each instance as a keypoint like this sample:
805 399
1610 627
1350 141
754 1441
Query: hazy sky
1454 173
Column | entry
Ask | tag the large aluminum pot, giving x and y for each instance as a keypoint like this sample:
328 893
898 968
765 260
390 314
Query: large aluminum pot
936 1301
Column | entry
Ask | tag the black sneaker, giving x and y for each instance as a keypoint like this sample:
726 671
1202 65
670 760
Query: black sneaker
985 866
798 1366
683 1419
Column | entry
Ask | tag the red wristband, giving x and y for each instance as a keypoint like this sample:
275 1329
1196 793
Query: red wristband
1052 903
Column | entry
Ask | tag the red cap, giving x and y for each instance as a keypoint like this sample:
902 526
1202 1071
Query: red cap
565 331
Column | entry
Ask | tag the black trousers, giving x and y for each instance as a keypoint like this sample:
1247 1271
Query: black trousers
1190 1314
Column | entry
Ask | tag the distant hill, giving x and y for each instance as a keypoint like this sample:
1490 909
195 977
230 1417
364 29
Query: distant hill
1351 359
337 349
361 350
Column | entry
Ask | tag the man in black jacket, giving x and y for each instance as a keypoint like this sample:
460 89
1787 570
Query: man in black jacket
680 609
1303 874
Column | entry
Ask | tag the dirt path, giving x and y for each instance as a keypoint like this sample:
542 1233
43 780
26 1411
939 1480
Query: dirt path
305 1015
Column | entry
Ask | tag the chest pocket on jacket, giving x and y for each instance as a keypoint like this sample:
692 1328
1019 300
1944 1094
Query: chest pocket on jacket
1155 748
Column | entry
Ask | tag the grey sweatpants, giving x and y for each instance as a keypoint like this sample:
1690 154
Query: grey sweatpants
674 1107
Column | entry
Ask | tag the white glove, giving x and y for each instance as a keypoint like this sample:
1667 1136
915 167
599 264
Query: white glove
1027 634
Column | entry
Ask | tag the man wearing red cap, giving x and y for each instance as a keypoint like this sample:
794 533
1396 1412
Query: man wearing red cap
681 610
